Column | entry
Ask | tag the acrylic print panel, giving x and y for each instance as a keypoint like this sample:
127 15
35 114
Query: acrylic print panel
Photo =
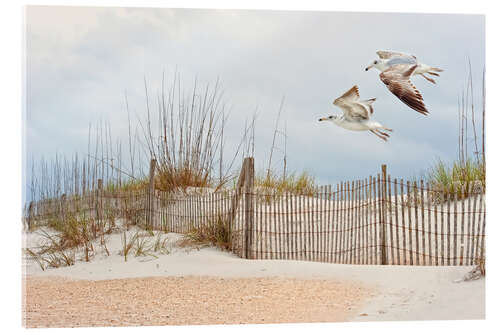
202 166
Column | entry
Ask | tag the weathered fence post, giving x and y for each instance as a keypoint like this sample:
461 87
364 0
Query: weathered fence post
383 217
151 194
244 187
235 202
249 205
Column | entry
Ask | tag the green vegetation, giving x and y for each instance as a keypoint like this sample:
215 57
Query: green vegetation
131 185
216 233
460 179
141 245
270 185
468 174
304 183
52 253
127 246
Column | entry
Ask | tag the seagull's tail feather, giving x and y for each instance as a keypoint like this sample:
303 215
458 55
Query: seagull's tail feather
428 78
369 101
436 69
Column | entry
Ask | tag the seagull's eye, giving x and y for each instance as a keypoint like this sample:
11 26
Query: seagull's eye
331 117
375 62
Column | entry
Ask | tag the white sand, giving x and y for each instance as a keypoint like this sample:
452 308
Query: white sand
404 292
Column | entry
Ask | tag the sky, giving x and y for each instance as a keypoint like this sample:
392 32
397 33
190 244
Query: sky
81 61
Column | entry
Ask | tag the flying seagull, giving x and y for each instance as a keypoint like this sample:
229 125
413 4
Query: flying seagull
357 114
396 69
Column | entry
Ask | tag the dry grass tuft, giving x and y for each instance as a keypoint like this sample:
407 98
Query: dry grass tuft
270 184
53 252
142 245
217 233
161 244
127 246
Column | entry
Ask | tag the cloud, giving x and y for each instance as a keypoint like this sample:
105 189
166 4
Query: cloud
82 60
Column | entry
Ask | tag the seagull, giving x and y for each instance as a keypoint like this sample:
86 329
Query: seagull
390 58
356 115
396 69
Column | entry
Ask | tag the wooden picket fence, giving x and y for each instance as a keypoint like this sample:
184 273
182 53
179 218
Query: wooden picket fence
378 220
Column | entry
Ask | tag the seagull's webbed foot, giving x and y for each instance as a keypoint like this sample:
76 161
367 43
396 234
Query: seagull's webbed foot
379 135
382 133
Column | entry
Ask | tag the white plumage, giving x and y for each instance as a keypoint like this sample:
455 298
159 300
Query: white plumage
357 113
396 69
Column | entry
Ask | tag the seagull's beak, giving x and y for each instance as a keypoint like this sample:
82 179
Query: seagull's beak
367 68
321 119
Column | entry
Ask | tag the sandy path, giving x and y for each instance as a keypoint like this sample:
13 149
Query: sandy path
396 292
63 302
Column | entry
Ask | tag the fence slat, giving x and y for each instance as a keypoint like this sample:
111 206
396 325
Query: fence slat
347 190
330 224
403 224
310 204
350 186
316 214
342 224
474 234
261 234
366 227
360 222
273 217
448 212
469 230
396 222
320 223
455 225
286 226
442 255
303 226
422 216
267 246
417 227
436 238
326 215
289 235
371 220
389 209
280 227
357 244
353 223
429 223
296 220
478 233
462 227
408 195
336 209
483 236
379 221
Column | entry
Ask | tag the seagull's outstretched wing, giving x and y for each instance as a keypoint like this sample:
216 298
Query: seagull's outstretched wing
397 80
392 54
349 96
353 108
